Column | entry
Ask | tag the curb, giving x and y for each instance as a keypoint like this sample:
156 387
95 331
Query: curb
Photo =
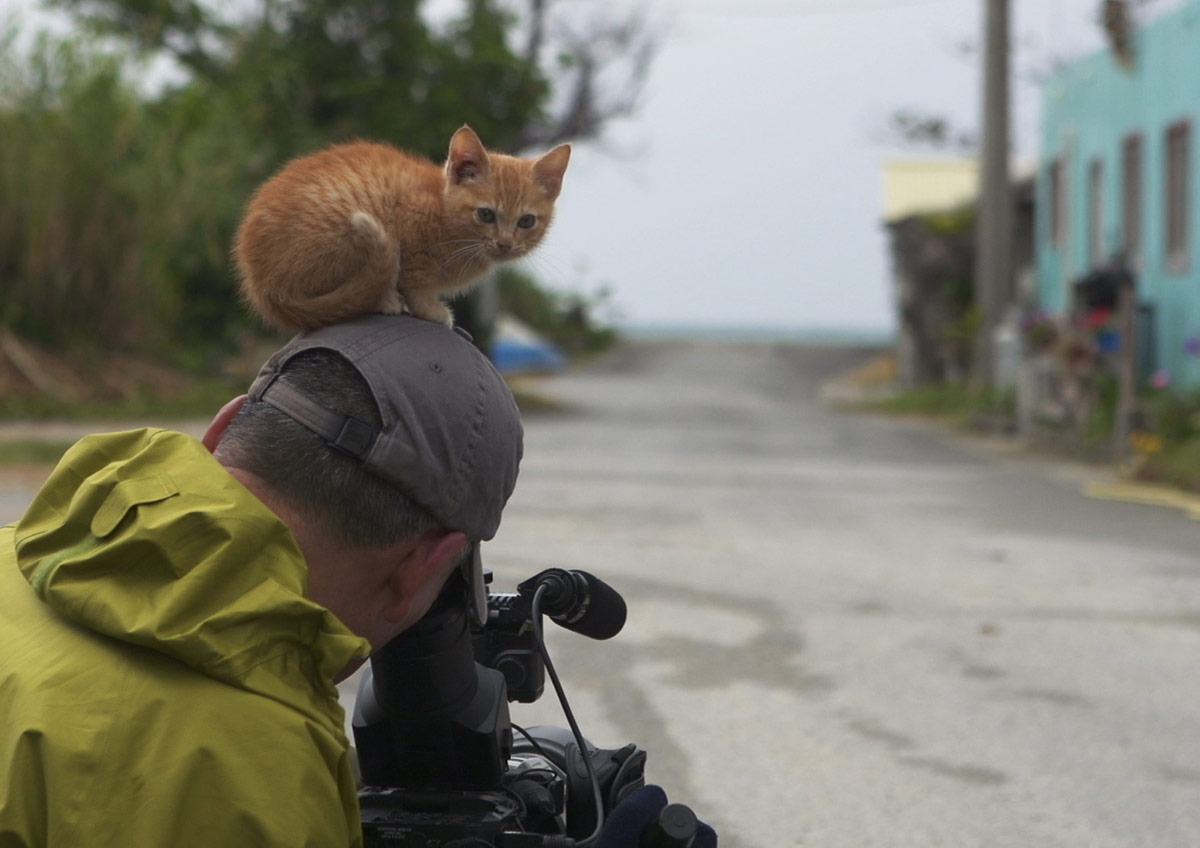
873 380
856 386
1145 493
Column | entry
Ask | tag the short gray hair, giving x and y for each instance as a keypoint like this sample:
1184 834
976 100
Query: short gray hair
326 487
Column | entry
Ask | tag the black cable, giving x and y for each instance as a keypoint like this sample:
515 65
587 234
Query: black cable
562 699
537 746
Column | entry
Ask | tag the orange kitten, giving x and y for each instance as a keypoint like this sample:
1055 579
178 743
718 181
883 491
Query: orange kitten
364 227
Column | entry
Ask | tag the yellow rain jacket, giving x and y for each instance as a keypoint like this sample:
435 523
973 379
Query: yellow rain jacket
164 682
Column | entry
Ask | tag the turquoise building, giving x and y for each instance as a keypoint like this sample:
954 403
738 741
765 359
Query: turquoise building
1119 173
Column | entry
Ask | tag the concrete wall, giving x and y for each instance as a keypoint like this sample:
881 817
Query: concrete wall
1089 109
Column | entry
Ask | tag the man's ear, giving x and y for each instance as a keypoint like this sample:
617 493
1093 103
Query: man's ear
415 581
216 428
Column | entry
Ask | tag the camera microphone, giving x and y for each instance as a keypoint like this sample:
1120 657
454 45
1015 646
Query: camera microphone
578 601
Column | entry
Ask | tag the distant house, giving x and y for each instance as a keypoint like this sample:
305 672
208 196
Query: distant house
930 263
915 186
1118 175
929 211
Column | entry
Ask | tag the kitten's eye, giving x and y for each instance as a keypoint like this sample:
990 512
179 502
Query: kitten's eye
485 215
526 222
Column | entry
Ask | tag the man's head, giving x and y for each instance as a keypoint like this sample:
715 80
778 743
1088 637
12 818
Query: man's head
386 444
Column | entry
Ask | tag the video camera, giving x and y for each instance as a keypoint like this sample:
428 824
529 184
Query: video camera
436 747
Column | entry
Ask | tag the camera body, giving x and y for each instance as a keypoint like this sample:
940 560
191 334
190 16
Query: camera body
436 745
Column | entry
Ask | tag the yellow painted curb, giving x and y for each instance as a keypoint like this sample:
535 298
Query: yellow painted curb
1144 493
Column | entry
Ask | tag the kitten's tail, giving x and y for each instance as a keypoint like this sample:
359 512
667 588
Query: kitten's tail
355 274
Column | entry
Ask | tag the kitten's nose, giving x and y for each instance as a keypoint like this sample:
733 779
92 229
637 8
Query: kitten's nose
504 246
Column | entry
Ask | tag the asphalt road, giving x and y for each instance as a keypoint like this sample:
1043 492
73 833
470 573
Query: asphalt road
846 631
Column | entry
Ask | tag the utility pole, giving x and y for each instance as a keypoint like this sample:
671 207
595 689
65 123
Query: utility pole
993 225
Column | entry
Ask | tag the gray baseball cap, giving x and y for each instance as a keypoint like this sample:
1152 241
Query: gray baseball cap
451 437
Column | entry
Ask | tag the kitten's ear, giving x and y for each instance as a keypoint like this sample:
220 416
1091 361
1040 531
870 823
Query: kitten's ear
549 169
468 160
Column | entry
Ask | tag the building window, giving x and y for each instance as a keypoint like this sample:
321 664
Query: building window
1058 204
1095 246
1179 142
1131 200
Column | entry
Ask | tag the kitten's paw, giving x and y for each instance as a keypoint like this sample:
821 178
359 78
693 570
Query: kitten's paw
430 309
443 315
393 304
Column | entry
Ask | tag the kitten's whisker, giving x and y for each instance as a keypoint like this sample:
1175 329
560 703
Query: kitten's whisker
544 266
464 254
469 247
463 259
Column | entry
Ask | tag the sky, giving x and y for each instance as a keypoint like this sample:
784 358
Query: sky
746 190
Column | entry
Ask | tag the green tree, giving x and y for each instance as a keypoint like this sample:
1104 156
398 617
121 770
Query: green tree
316 70
118 205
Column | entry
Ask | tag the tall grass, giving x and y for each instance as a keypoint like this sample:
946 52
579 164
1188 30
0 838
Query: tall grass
116 212
73 210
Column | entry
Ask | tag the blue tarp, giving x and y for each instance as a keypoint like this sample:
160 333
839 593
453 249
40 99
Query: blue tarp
516 348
